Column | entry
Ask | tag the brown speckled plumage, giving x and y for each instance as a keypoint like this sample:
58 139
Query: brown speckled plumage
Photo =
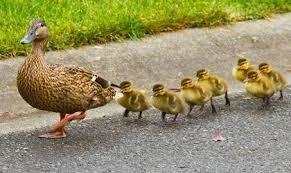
59 88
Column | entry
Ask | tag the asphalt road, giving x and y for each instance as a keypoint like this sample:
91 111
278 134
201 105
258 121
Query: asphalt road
257 140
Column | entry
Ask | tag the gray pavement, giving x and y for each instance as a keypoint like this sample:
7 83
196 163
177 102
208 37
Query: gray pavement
257 140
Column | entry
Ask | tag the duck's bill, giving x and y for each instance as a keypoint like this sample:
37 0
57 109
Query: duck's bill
28 38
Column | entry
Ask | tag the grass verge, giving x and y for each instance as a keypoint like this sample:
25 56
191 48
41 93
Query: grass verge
81 22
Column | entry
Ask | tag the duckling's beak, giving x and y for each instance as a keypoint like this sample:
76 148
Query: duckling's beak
28 38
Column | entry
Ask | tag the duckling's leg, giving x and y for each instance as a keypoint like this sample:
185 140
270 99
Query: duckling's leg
175 117
267 101
281 95
140 115
190 109
125 114
264 102
227 102
164 116
212 106
201 108
57 133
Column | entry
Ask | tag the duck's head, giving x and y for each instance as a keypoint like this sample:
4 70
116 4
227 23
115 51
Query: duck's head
126 87
187 83
159 90
202 74
265 68
38 31
252 76
243 64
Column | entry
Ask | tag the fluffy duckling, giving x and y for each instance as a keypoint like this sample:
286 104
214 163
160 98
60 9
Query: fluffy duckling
133 100
276 77
240 71
259 86
213 83
167 101
194 94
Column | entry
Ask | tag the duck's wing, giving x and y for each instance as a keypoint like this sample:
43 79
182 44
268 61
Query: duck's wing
79 71
81 87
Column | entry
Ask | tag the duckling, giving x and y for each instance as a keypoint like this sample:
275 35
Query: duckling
194 94
276 78
240 71
259 86
215 84
133 100
68 90
167 101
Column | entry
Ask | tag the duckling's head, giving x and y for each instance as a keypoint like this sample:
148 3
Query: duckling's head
202 74
252 76
243 64
126 87
38 31
265 68
159 90
187 83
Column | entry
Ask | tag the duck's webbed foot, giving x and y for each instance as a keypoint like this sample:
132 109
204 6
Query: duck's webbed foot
58 130
54 135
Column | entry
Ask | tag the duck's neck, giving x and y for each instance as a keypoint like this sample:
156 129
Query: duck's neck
37 53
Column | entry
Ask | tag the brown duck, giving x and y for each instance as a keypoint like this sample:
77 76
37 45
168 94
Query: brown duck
68 90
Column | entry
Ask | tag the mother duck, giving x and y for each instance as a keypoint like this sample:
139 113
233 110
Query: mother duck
68 90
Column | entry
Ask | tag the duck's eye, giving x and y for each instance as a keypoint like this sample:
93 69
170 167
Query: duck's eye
42 25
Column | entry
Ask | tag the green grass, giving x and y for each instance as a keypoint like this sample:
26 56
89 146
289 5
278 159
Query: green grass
74 23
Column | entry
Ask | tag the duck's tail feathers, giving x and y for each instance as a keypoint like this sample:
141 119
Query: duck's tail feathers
105 83
114 85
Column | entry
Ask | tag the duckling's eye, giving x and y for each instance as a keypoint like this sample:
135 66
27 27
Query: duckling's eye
42 25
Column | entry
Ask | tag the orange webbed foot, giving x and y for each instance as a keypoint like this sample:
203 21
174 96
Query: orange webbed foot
54 135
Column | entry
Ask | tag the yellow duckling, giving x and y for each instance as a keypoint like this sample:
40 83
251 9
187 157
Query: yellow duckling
133 100
240 71
259 86
194 94
276 77
213 83
167 101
